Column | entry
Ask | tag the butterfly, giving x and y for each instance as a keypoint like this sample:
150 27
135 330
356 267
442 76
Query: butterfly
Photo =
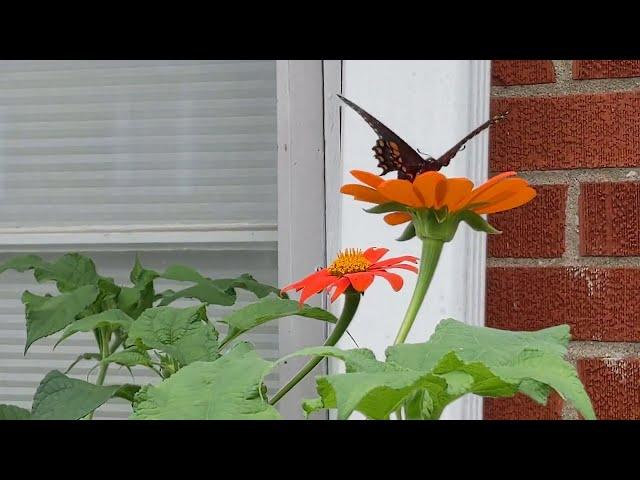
394 154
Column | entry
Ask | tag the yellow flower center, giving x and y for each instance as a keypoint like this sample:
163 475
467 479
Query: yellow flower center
351 260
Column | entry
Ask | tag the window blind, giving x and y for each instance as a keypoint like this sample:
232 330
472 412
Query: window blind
87 143
139 145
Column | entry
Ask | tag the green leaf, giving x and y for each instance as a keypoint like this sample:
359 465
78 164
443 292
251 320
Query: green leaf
550 370
490 346
387 208
376 395
476 222
135 300
205 289
269 309
226 389
371 387
408 233
500 361
247 282
11 412
140 276
127 392
69 272
183 333
111 318
62 398
129 358
22 263
47 315
458 359
312 405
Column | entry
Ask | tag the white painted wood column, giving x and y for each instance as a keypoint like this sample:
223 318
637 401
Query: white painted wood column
431 104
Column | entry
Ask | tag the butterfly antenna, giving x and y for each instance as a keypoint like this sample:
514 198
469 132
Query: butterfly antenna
425 154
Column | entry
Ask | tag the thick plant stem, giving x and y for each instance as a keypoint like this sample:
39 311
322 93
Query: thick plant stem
102 373
351 301
431 250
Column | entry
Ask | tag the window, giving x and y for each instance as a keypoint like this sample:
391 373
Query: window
175 160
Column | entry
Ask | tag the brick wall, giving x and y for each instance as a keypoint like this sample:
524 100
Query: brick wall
573 254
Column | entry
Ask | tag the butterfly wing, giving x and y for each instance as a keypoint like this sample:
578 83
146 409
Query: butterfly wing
392 153
444 160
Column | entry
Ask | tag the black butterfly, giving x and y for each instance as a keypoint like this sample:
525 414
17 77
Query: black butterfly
394 154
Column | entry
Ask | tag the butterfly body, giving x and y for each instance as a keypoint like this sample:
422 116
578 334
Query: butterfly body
394 154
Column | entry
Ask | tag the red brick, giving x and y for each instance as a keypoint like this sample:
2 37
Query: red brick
535 230
522 407
565 132
522 72
610 219
597 303
613 386
589 69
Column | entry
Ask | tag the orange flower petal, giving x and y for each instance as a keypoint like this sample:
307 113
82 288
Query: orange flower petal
426 184
489 183
517 199
394 279
340 286
411 268
365 194
497 190
309 278
360 281
367 178
396 218
457 190
374 254
394 261
315 286
400 191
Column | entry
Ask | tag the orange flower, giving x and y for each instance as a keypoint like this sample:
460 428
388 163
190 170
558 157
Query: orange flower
432 190
354 268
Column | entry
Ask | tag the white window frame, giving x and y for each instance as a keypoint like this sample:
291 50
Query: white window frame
386 87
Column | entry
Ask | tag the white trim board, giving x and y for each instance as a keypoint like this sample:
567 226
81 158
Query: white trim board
431 104
301 212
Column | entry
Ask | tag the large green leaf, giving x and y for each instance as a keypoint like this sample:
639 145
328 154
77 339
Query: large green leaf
490 346
11 412
63 398
111 318
269 309
47 315
371 387
69 272
183 333
22 263
458 359
229 388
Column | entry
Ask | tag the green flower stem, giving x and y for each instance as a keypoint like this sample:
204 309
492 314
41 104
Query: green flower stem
431 250
105 335
351 301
